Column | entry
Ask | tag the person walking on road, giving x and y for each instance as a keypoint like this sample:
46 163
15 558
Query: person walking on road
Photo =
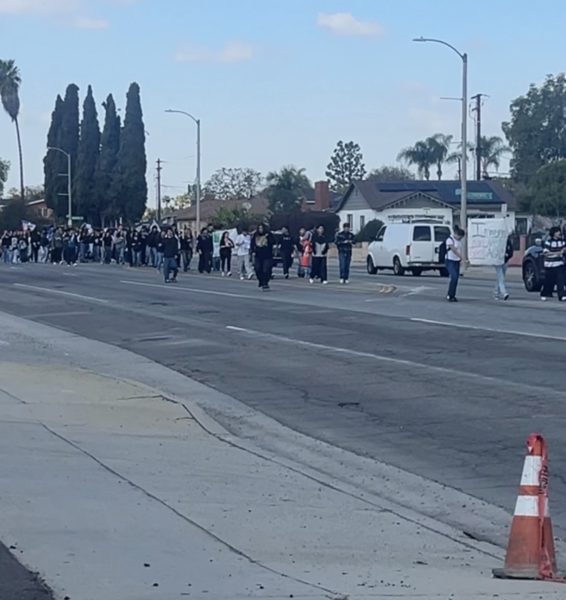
501 270
345 242
226 247
553 251
454 254
286 250
187 249
304 247
204 251
170 251
262 249
319 251
243 247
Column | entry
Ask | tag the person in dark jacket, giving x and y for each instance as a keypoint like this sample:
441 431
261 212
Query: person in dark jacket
553 254
187 249
286 248
319 251
262 249
344 243
170 251
204 250
152 241
501 270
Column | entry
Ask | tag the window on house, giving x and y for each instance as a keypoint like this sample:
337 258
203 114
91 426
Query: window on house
362 222
350 219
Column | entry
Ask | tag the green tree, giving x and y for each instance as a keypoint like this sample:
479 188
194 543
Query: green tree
13 213
387 173
10 81
106 164
421 155
286 189
439 144
346 165
536 132
87 160
69 135
492 149
54 163
4 168
228 218
546 193
370 231
130 185
233 184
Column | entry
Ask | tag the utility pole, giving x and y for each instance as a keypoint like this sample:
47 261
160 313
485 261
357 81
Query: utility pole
159 167
477 110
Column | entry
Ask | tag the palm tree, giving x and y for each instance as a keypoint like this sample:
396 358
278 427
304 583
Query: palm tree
492 149
439 144
421 155
10 81
456 157
286 189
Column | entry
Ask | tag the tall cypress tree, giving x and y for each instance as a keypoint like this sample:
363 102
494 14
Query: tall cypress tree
110 145
54 162
87 159
132 163
69 140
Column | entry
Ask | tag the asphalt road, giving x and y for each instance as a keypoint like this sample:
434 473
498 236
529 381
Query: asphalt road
384 367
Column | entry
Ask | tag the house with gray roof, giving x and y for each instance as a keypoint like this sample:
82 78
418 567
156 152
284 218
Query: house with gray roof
405 201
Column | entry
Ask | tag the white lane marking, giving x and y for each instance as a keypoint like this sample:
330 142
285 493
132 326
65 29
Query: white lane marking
60 292
3 343
490 329
388 359
187 289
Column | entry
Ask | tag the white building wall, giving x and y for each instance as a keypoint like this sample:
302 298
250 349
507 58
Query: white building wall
393 215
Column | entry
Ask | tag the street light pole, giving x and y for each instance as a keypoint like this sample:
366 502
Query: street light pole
464 160
69 185
197 122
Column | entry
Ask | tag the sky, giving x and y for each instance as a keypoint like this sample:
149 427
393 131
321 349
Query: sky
275 82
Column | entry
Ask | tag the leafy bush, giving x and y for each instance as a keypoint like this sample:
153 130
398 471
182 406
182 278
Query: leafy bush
370 231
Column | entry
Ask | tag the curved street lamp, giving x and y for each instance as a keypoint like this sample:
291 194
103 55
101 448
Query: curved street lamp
69 184
197 122
463 171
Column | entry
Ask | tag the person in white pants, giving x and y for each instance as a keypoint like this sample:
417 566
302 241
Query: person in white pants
243 244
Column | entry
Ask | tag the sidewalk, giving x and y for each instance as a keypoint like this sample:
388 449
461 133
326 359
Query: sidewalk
111 491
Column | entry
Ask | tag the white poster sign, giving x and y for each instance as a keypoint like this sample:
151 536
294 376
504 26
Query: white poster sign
487 239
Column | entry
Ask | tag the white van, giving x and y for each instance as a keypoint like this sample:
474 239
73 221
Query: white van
408 247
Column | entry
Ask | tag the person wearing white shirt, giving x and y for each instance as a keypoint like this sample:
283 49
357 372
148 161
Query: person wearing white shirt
243 245
454 255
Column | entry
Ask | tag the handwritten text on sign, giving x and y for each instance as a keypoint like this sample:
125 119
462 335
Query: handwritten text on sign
487 241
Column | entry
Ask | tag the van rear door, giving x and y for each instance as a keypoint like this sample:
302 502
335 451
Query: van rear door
422 246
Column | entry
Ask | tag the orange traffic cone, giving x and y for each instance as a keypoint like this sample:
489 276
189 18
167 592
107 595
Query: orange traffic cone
530 553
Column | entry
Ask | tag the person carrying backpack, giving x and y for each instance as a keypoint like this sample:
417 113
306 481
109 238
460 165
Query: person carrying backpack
501 270
454 256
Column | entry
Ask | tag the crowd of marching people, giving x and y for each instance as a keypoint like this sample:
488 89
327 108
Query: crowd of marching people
248 254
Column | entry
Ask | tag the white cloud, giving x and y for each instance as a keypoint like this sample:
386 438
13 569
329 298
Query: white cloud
346 24
88 23
232 52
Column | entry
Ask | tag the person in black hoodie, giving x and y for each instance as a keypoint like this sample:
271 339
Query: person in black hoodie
262 249
204 250
319 251
170 251
286 249
345 242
